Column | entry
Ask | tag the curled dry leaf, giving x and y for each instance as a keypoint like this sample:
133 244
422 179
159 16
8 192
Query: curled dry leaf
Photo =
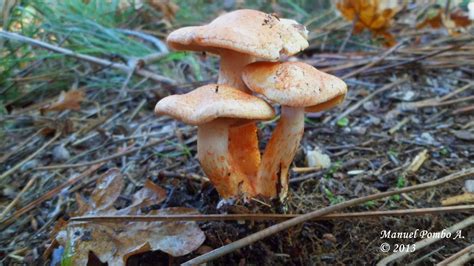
70 100
116 242
371 15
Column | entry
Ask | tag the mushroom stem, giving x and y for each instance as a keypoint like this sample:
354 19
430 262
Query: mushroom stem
214 155
279 153
243 140
232 64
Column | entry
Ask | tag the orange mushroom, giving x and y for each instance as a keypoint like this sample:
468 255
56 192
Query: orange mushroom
240 38
214 109
297 87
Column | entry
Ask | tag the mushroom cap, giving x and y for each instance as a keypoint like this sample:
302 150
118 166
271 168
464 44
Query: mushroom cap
247 31
214 101
295 84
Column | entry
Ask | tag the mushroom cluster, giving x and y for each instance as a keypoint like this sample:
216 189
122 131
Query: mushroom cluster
250 43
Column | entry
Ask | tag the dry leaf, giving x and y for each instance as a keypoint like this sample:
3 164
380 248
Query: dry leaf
150 194
114 243
460 19
369 15
435 18
107 191
70 100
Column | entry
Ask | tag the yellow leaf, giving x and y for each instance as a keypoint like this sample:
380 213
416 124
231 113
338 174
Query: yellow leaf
378 23
369 14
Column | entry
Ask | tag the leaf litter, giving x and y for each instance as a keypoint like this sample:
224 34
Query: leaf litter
115 242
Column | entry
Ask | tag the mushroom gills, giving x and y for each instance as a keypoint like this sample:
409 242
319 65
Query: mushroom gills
326 105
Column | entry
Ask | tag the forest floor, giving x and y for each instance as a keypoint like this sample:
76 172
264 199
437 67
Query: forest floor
410 103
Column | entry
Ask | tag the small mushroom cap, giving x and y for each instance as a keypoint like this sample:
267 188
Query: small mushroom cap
295 84
247 31
214 101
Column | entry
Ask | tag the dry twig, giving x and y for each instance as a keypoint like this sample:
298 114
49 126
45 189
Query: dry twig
18 197
266 217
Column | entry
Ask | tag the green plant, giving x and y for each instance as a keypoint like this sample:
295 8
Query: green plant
401 181
343 122
333 199
333 169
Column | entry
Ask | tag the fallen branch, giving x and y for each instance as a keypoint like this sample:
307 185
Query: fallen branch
92 59
266 217
324 211
428 241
